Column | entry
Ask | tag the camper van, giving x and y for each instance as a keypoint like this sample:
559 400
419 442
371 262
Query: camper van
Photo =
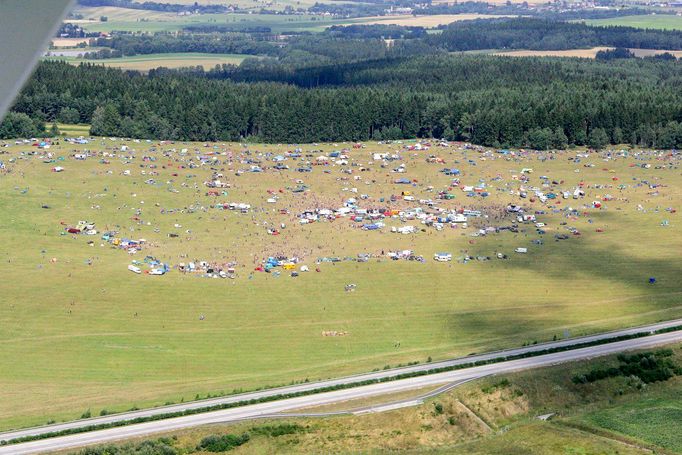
442 257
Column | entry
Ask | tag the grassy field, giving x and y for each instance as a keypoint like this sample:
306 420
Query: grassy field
171 60
660 21
423 21
113 13
493 416
647 420
91 334
68 42
258 4
582 53
74 130
124 19
651 52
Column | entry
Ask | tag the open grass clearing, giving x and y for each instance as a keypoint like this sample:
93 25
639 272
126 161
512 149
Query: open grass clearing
133 20
492 2
424 21
172 60
73 130
656 21
68 42
257 4
93 335
146 21
114 13
582 53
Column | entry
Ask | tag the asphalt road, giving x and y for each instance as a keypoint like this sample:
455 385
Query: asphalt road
275 408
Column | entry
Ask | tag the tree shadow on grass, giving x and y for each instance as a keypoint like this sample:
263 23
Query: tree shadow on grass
588 270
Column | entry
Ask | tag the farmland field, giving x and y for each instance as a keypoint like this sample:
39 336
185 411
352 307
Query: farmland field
170 60
68 42
276 22
660 21
258 4
122 19
93 335
492 2
424 21
582 53
113 13
648 420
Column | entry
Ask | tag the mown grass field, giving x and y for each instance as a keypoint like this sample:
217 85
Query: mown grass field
258 4
431 21
496 415
74 130
133 20
68 42
582 53
660 21
172 60
80 331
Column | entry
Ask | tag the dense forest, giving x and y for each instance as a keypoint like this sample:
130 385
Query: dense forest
545 34
213 43
495 101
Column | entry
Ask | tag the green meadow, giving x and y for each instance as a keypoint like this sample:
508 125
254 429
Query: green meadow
656 21
79 331
145 21
171 60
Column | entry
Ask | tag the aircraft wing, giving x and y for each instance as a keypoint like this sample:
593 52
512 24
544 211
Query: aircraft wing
26 27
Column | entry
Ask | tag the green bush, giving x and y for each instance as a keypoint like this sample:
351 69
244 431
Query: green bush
648 366
216 443
162 446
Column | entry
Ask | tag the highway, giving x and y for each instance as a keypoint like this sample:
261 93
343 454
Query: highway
275 408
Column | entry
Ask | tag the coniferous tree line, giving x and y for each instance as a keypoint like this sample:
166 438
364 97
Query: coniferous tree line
213 43
546 34
493 101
